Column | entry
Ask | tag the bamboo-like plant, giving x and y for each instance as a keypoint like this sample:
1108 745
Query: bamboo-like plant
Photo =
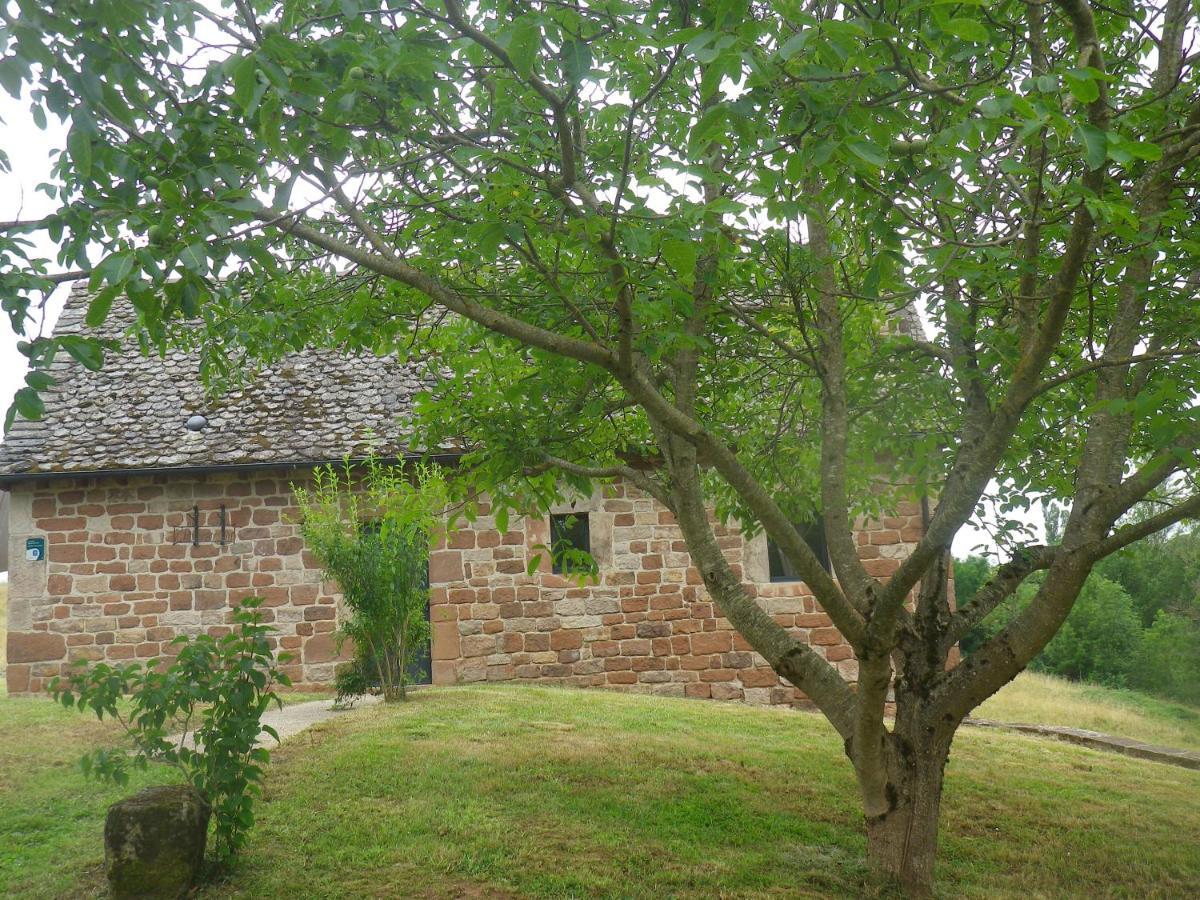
371 528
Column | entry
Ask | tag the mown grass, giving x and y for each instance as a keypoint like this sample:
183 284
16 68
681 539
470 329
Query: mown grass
553 793
50 815
3 625
542 792
1047 700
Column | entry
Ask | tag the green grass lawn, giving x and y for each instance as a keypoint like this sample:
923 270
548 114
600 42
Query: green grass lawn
51 816
3 625
49 813
1046 700
542 792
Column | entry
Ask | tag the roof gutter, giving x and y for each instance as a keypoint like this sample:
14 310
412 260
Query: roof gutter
10 480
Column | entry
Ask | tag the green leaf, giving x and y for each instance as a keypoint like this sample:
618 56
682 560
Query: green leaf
1095 145
245 80
98 309
795 168
794 44
13 71
86 351
524 43
867 151
116 267
79 147
1082 85
39 380
195 257
681 255
710 126
488 238
577 61
535 560
28 403
967 30
1145 150
170 192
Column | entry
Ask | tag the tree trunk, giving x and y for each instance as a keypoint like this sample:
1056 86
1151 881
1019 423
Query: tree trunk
902 842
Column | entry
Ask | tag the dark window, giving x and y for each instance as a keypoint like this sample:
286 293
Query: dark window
781 568
569 536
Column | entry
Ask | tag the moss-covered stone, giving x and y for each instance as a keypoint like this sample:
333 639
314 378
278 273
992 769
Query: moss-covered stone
154 842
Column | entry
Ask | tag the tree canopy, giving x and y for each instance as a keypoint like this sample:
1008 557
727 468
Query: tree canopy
688 244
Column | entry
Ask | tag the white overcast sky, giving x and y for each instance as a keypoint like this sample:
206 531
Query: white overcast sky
30 151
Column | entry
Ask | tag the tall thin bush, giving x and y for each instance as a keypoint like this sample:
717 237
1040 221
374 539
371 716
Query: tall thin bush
371 528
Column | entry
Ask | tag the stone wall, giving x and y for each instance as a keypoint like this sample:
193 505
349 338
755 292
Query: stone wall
647 625
123 578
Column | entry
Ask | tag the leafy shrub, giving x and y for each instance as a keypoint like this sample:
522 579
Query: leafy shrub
216 689
1100 638
1097 643
372 534
1168 661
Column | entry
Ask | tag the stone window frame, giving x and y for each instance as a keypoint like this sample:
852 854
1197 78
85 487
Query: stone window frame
570 521
600 526
756 561
807 529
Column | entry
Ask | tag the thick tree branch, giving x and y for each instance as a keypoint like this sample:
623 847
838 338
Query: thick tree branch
835 420
977 461
797 662
1123 537
440 293
636 476
1000 586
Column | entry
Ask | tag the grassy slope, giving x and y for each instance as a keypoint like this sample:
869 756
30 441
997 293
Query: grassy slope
554 793
545 792
557 793
1046 700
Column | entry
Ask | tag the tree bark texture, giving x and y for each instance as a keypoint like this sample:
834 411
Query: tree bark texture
902 842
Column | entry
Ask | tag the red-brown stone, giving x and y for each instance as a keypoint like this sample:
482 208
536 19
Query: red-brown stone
35 646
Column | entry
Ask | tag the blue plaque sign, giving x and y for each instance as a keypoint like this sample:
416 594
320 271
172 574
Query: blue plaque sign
35 549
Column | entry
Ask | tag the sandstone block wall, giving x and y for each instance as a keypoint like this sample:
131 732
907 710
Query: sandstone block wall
123 577
647 625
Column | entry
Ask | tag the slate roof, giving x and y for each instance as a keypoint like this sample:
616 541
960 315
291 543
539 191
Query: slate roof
314 406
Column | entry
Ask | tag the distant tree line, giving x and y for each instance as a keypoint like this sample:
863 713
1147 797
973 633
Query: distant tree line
1136 623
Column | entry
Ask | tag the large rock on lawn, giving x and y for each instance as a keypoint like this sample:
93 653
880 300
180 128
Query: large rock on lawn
154 842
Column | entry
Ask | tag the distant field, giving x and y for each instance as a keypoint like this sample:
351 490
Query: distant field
1046 700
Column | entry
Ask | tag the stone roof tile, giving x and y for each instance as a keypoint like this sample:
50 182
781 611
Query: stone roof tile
314 406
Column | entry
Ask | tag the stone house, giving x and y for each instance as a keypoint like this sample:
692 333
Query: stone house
140 509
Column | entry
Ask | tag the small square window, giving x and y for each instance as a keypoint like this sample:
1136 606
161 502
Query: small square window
569 532
781 568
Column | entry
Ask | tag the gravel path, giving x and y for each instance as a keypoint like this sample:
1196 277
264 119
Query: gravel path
296 717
